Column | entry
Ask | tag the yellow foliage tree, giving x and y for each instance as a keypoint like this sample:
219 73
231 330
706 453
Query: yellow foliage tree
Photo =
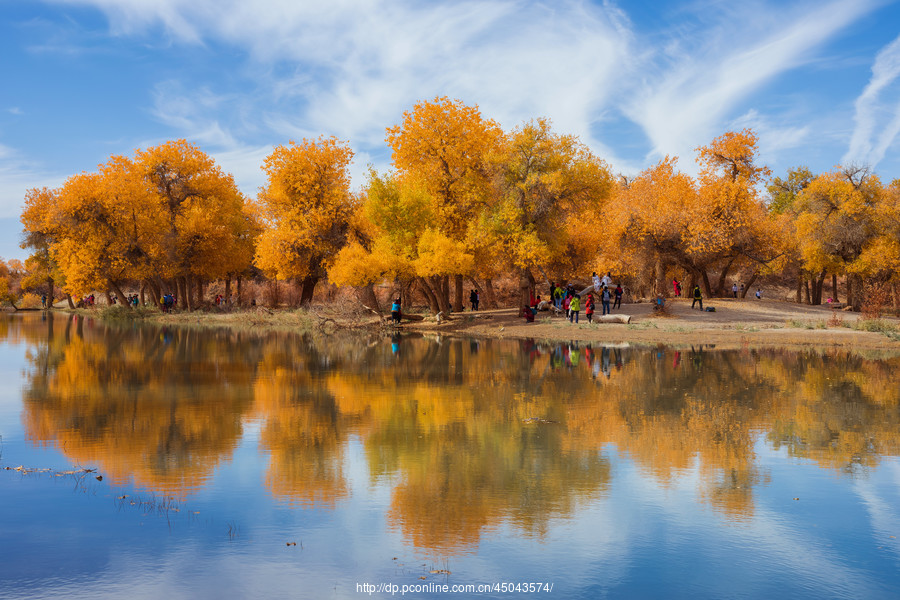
549 188
838 223
305 210
445 145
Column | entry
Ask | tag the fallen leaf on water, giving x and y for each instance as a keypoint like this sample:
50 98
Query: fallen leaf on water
423 577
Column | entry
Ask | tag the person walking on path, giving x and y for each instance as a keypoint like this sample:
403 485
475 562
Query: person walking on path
698 297
574 307
473 298
676 287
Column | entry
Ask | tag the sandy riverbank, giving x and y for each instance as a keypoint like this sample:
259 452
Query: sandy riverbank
736 323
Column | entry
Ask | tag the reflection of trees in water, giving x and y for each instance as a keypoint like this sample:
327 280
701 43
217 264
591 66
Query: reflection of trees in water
471 433
137 401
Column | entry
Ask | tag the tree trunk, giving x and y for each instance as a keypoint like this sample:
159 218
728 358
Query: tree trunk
706 285
849 290
106 293
240 300
199 293
834 287
458 297
120 294
307 287
69 300
799 289
440 288
806 291
895 295
659 284
723 277
188 293
156 289
749 283
444 300
228 291
430 296
366 295
818 286
179 292
526 287
857 297
143 289
489 294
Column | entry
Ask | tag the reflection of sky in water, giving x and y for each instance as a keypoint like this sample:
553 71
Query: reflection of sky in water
639 535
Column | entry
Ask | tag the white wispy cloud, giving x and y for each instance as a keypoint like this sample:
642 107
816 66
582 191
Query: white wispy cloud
18 174
877 118
350 67
701 76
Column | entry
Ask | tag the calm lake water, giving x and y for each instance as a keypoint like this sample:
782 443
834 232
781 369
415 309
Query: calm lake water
173 463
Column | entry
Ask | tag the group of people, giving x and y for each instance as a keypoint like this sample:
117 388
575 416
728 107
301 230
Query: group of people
168 302
131 299
571 302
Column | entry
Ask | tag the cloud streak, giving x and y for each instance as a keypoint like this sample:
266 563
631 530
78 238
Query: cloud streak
877 117
349 68
693 86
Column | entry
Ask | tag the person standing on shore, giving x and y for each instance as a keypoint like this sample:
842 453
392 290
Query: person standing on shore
617 303
589 308
604 298
574 307
395 310
698 297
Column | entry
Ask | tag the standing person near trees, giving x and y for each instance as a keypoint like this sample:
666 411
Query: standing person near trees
618 296
395 310
734 289
698 297
589 308
676 287
604 299
473 299
574 307
595 279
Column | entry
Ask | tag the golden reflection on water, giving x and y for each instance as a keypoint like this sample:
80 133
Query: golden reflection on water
469 434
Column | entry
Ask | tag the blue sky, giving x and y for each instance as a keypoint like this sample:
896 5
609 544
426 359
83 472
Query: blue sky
81 80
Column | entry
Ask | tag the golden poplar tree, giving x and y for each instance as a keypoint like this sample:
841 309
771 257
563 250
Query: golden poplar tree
305 210
444 145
